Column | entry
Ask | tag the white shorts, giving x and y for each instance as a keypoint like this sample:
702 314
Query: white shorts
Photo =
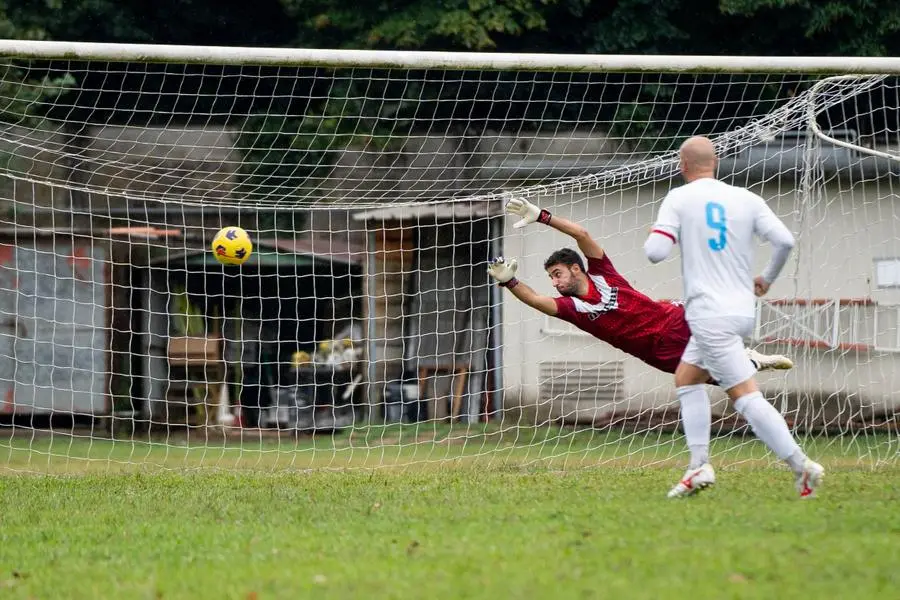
717 345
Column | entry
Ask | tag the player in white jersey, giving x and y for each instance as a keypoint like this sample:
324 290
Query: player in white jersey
715 224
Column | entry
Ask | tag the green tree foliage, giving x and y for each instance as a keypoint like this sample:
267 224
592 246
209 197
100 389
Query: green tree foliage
227 22
295 118
823 27
20 89
739 27
747 27
416 24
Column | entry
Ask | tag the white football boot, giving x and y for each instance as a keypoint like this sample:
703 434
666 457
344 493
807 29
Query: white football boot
765 362
693 481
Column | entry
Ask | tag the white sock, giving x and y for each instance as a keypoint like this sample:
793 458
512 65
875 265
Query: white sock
796 461
696 419
770 427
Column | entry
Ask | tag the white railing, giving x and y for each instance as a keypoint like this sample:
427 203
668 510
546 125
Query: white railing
842 324
845 324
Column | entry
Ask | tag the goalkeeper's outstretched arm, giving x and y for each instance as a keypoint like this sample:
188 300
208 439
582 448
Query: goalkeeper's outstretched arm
504 271
531 213
523 292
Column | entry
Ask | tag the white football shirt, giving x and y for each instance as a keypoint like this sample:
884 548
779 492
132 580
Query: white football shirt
715 224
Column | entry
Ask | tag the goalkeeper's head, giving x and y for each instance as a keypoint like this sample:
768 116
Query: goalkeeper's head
567 272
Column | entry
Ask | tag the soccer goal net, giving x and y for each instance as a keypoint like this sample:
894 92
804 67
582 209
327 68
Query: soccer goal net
363 329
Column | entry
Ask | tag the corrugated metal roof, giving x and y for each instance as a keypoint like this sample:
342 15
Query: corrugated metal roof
336 249
316 250
432 213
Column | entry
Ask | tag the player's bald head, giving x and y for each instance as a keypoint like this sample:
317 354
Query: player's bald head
698 157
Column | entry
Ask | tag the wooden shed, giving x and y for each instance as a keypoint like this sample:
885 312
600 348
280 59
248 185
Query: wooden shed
433 314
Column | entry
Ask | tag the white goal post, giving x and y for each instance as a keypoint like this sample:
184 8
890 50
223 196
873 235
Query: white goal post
401 59
364 330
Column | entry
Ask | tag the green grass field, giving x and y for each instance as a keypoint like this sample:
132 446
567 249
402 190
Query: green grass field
455 514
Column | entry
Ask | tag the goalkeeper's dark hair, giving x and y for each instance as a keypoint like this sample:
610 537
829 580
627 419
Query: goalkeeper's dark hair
565 256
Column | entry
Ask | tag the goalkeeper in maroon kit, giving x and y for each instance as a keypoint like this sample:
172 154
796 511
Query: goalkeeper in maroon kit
598 300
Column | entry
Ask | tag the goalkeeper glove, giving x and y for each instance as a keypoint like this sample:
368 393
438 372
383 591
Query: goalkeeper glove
528 211
504 271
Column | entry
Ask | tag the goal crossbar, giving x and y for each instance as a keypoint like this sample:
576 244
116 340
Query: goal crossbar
400 59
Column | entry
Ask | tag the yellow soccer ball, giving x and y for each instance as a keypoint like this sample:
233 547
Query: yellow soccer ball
232 246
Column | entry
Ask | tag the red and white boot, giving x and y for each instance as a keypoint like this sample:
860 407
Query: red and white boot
693 481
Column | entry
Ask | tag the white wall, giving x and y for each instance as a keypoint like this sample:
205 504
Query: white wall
844 230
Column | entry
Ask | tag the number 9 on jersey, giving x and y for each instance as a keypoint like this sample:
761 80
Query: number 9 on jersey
715 219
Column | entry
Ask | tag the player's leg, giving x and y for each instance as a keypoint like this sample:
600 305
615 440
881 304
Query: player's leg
720 343
765 362
696 420
770 427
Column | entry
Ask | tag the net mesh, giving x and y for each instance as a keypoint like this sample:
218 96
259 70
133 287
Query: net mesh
364 329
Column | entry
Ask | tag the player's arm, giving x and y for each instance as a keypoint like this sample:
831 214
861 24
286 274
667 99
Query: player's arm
768 226
664 233
531 213
504 272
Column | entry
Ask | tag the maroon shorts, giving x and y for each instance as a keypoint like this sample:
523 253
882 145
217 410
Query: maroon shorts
670 346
